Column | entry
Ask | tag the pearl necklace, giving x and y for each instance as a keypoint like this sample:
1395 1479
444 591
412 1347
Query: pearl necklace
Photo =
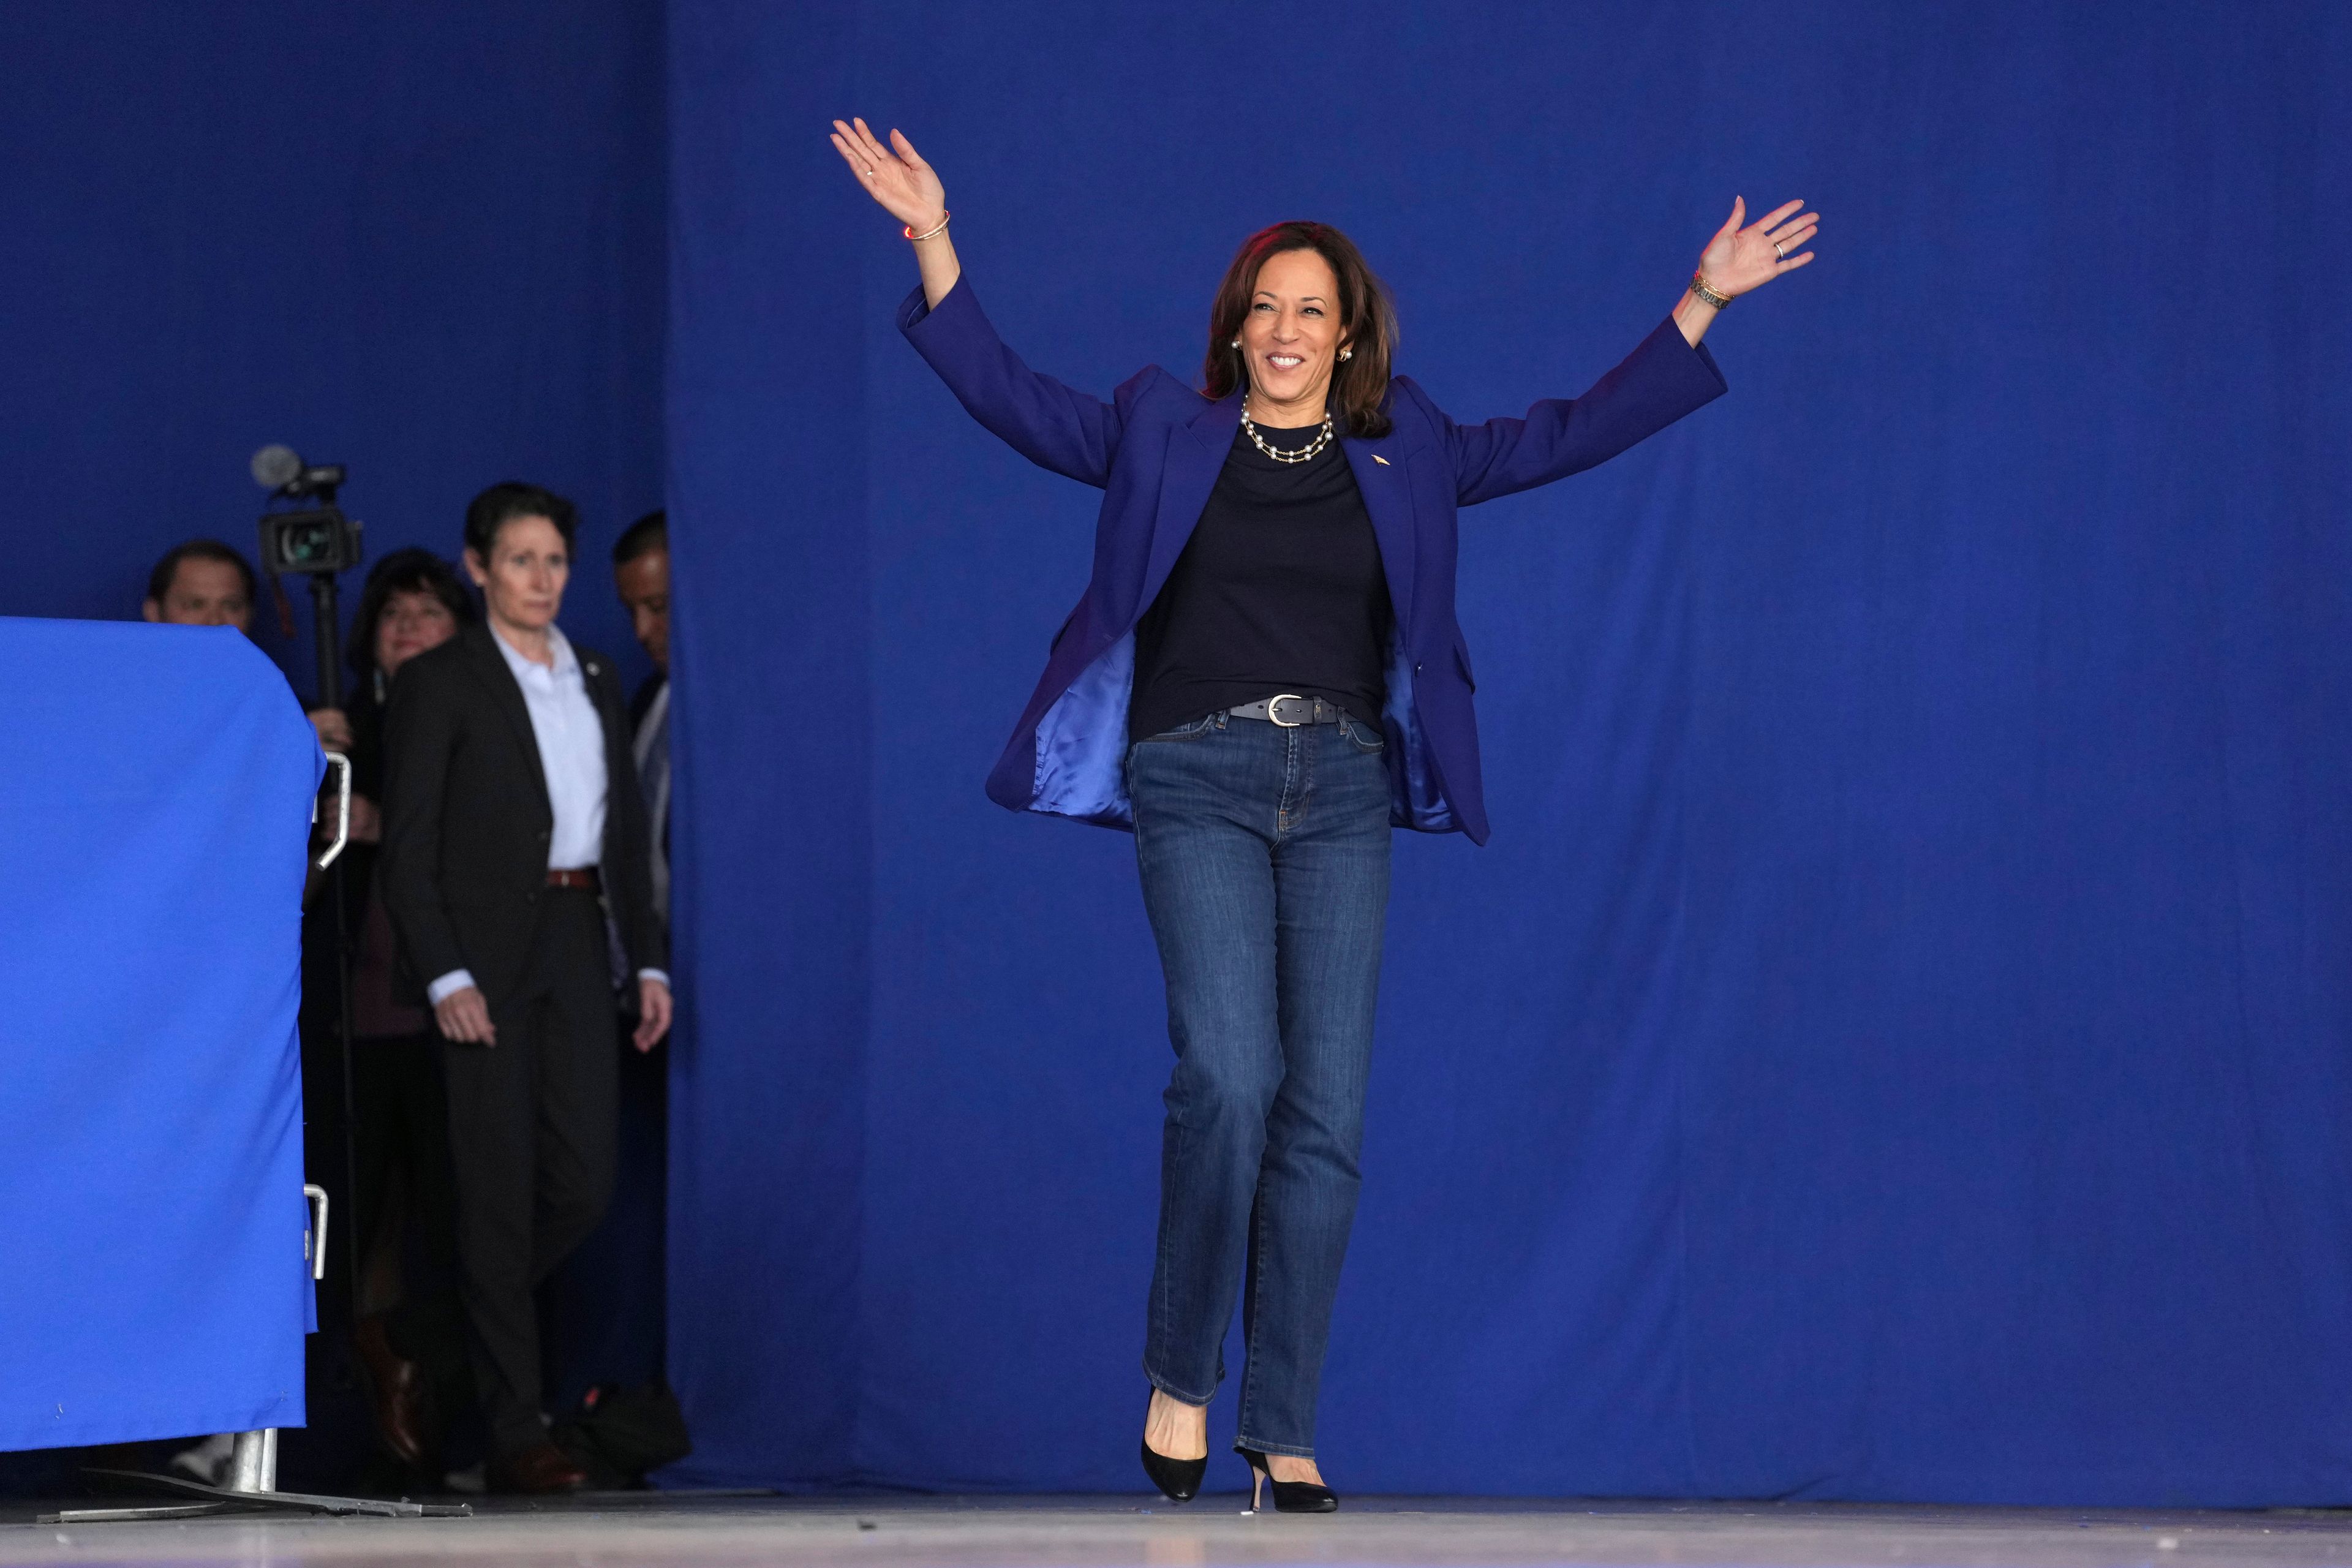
1303 454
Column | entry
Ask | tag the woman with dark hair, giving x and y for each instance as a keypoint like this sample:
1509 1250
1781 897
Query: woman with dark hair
412 602
405 1329
1266 675
517 869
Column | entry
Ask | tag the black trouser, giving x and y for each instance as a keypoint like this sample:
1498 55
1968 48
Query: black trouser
400 1139
531 1129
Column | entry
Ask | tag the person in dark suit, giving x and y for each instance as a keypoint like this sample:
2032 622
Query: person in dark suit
607 1319
641 576
514 868
406 1328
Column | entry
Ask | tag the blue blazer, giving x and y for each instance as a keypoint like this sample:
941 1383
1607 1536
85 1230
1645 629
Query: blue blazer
1155 450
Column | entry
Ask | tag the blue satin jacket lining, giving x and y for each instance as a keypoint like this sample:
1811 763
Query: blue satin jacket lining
1082 748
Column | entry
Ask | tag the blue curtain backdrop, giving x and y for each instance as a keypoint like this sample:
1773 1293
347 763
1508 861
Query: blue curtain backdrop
1896 1044
423 239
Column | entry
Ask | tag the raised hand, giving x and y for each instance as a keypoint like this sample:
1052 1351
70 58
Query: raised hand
909 191
907 188
1738 259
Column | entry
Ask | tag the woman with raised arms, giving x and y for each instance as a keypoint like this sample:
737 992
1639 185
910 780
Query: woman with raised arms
1263 676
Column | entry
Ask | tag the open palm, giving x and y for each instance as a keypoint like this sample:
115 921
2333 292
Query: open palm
1738 259
896 175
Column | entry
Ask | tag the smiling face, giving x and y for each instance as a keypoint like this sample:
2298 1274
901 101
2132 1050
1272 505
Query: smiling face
1291 339
523 582
412 622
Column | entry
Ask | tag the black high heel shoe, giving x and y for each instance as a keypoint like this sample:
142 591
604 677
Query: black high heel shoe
1179 1479
1289 1497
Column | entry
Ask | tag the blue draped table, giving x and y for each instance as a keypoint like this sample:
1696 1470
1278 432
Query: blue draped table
154 790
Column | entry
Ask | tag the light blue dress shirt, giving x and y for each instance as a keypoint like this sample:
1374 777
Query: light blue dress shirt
571 737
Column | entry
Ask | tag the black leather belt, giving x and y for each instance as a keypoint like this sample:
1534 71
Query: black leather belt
1289 710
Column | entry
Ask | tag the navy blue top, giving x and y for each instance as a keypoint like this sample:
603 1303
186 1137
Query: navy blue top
1279 590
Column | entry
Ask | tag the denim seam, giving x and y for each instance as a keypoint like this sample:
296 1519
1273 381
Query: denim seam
1256 1286
1282 823
1307 749
1161 1329
1168 1387
1155 1330
1160 1312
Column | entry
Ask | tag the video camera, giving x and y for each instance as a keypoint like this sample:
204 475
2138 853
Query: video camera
318 541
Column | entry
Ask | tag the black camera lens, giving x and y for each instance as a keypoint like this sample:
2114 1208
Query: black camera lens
320 543
309 543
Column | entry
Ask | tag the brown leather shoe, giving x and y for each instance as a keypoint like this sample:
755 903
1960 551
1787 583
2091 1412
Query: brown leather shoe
404 1407
542 1467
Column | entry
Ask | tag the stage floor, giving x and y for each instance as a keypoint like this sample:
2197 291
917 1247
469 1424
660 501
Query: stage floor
946 1533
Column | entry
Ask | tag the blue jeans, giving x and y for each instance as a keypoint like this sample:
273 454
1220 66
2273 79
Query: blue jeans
1264 859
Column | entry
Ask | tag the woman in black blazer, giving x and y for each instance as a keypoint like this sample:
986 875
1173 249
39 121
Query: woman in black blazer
515 868
405 1327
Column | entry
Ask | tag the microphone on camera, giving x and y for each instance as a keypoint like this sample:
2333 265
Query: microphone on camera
281 469
276 467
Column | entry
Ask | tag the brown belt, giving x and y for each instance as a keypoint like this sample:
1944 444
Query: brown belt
584 878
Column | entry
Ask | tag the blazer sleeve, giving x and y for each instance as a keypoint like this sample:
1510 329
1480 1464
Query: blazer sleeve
1069 432
420 733
1657 383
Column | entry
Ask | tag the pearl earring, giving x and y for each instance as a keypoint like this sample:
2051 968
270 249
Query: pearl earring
1344 354
1237 343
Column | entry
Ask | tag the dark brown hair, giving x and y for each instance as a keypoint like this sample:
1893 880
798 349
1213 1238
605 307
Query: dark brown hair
643 537
502 503
159 581
1368 324
410 571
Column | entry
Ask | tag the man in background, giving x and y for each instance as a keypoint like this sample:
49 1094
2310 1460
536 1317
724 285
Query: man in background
605 1310
641 573
203 583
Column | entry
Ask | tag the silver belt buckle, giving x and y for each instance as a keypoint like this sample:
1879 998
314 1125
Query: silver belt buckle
1274 710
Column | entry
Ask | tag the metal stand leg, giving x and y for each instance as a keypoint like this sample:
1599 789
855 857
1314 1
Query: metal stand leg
252 1487
253 1464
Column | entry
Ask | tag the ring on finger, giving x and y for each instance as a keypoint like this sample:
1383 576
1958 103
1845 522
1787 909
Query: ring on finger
1778 253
